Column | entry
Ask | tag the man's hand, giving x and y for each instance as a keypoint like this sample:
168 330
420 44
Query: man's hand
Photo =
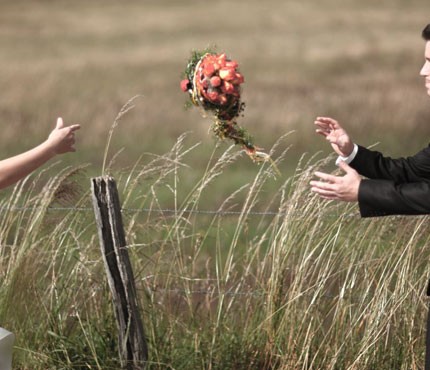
335 135
343 188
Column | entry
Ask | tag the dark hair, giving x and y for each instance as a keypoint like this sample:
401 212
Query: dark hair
426 33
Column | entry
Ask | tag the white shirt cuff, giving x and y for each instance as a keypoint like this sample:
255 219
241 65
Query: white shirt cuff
350 158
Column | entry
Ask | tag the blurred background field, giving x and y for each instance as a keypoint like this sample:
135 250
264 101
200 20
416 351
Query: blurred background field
357 61
303 280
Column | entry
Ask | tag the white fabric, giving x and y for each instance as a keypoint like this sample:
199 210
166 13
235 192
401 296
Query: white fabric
350 158
6 345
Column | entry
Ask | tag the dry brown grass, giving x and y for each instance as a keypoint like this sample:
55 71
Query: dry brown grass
318 269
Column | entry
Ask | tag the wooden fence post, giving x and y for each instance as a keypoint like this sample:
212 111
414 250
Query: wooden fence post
133 350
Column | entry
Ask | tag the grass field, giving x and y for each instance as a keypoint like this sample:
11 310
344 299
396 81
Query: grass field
312 288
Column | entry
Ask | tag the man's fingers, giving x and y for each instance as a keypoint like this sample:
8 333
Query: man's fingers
346 167
322 185
328 197
327 194
321 132
326 125
322 125
326 177
327 121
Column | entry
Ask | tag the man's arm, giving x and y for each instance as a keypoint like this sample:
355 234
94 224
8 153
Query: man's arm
385 197
374 165
375 197
395 186
370 163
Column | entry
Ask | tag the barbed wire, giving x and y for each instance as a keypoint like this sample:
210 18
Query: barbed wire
333 213
261 293
209 292
167 211
235 291
197 211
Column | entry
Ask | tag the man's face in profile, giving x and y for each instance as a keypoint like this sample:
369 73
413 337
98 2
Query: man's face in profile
425 70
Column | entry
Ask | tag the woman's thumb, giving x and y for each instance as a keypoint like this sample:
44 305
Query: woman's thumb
60 123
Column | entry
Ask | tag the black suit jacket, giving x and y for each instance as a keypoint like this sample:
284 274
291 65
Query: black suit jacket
394 186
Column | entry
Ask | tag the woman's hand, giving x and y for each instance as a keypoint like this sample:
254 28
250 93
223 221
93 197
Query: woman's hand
62 138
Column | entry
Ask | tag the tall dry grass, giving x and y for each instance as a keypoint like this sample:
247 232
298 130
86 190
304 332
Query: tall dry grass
312 287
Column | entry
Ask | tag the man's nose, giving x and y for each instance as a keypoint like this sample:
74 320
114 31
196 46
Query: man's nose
425 70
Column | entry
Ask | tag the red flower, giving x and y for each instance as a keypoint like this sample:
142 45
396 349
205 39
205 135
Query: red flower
227 74
208 69
227 87
215 81
184 85
238 79
222 59
231 64
213 96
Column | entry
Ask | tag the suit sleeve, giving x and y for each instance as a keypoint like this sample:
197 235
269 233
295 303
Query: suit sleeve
394 186
374 165
385 197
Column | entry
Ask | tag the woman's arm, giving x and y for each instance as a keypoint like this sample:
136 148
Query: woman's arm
61 140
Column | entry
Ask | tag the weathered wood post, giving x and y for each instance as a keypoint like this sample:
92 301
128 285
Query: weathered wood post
133 350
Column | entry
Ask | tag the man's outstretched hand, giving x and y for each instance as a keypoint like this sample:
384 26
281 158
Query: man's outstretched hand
338 187
335 135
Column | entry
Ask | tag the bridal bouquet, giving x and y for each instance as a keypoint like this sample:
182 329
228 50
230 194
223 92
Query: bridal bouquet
213 82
